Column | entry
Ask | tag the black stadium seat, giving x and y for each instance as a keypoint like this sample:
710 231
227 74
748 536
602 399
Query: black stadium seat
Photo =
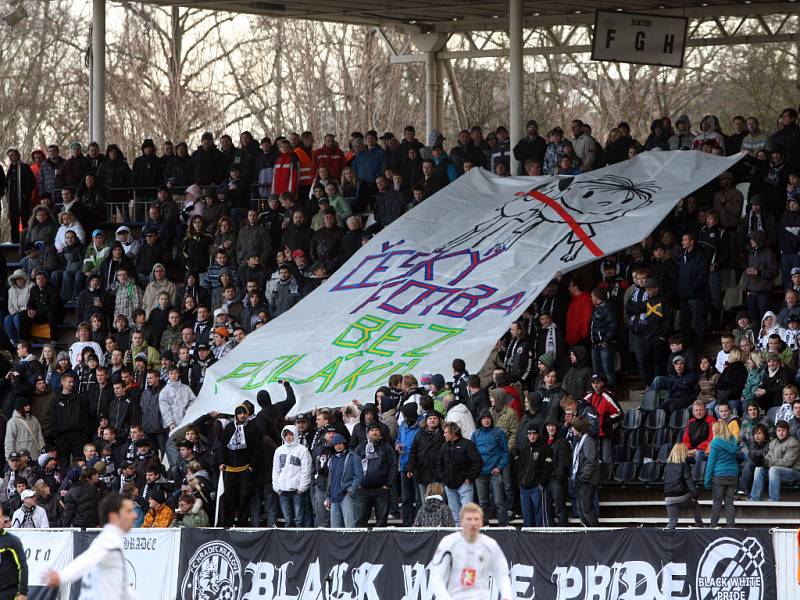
771 413
625 472
632 420
678 419
656 419
620 454
651 400
650 472
663 453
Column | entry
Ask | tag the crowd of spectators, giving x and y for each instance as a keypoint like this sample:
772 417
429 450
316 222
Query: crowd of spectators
215 243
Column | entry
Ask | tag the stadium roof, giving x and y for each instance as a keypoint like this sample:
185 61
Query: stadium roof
454 15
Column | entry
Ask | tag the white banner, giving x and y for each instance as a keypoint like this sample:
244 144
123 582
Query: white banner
639 38
149 557
45 550
448 278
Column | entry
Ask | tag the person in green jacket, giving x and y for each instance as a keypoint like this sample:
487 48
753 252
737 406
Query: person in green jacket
722 472
190 512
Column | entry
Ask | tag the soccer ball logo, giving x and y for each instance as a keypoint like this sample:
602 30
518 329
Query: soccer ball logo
214 573
731 568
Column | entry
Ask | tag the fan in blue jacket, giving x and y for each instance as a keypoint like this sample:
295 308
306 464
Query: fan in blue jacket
491 444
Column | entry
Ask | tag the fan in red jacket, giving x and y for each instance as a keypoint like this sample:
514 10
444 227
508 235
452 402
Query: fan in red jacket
286 171
579 314
697 435
609 412
331 156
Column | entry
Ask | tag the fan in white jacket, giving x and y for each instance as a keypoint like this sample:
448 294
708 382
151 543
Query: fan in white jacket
291 467
457 412
174 399
29 516
769 325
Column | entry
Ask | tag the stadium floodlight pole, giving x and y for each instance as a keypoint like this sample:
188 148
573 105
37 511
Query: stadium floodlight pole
431 92
98 105
515 101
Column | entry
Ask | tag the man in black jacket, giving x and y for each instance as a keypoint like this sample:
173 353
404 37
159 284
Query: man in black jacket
72 421
207 163
517 357
19 186
238 442
423 459
534 462
603 334
44 306
585 471
460 464
692 284
379 473
532 146
123 410
654 326
562 468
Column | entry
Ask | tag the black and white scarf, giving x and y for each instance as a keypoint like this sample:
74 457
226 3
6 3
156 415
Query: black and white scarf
237 441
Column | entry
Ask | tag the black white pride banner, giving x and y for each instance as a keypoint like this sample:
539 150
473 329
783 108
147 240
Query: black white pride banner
623 564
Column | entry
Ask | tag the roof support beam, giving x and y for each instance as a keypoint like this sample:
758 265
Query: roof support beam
781 38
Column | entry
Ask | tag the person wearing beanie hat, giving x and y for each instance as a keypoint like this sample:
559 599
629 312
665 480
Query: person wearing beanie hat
23 430
423 459
437 390
238 443
546 362
220 344
159 514
379 463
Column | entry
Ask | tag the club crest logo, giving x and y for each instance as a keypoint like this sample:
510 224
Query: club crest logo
214 573
468 577
731 570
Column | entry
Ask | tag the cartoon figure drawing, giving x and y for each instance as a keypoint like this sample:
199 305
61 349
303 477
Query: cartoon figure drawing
577 204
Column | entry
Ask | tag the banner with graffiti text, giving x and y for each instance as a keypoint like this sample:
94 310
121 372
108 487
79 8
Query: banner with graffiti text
448 278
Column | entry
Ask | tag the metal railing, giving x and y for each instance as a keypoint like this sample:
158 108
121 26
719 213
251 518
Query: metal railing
134 210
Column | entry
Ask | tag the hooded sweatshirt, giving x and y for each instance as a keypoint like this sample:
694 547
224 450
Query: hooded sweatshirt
360 430
23 432
765 332
762 259
154 288
491 444
504 416
457 412
291 467
577 380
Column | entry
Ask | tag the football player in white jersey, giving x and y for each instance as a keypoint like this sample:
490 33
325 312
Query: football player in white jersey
101 568
465 560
